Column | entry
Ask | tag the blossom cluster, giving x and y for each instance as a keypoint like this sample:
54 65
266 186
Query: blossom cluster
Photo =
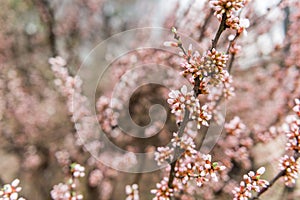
291 167
191 165
266 135
207 170
11 191
185 142
251 182
132 192
292 129
77 170
208 69
230 7
61 191
210 66
67 191
163 154
162 190
226 6
238 24
293 136
215 62
191 64
95 177
182 100
289 164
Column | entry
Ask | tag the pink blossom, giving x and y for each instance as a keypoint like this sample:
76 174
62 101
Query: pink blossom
132 192
60 192
251 182
291 167
11 191
163 154
162 191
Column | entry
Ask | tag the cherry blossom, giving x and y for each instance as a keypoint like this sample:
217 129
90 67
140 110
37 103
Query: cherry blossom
60 192
182 100
226 6
251 182
132 192
67 191
11 191
162 191
163 154
296 108
291 168
77 170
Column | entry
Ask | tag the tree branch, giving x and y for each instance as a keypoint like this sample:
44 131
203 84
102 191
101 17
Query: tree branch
278 176
47 15
222 27
177 149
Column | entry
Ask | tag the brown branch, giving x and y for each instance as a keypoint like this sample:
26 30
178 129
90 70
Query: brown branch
232 42
232 57
231 62
177 149
47 15
222 27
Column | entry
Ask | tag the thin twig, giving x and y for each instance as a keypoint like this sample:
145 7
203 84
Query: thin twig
231 62
222 27
203 28
177 149
232 57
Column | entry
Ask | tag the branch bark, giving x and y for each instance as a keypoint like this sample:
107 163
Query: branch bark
222 28
47 15
177 149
